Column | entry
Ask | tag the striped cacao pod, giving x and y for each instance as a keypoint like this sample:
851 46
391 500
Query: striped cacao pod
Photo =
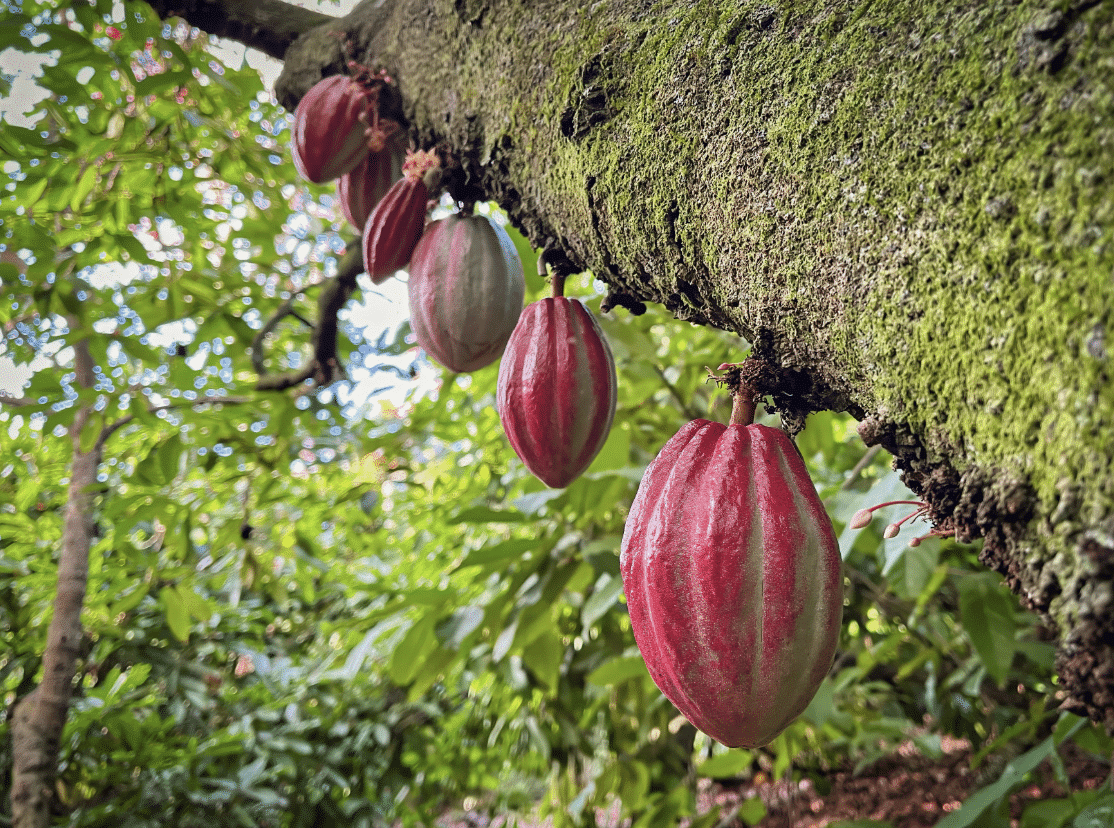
329 138
395 225
466 289
557 390
360 190
732 576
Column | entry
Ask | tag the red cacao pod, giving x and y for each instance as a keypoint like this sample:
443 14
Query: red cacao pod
329 138
732 576
360 190
466 289
557 389
395 225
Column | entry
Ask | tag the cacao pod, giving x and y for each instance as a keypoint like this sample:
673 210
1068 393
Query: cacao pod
329 138
557 389
395 225
360 190
732 576
466 289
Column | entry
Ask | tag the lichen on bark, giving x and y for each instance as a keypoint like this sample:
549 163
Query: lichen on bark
907 207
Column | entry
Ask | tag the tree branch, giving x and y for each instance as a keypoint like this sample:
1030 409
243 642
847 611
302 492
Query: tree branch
15 402
267 25
41 715
323 368
113 427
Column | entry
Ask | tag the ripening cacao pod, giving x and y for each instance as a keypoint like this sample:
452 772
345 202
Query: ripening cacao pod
329 138
395 225
557 389
360 190
466 289
732 577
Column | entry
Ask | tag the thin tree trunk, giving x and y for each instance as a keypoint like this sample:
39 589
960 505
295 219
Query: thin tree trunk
40 717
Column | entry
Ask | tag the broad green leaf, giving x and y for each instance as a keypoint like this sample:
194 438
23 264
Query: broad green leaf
1098 815
726 765
499 552
413 648
83 187
618 670
988 617
605 595
177 616
543 658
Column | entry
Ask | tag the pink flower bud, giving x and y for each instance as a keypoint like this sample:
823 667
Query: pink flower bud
861 519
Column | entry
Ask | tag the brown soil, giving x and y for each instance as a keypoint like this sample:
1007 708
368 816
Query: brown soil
907 790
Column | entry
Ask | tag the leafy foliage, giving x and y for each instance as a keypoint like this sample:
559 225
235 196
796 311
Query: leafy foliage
353 606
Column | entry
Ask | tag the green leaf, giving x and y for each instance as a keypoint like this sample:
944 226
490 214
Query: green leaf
499 552
1098 815
151 85
988 617
197 606
603 598
1051 813
177 616
544 657
415 645
618 670
83 187
726 765
486 514
615 453
1012 776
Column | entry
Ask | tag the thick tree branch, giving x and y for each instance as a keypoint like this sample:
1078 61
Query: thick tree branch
267 25
905 208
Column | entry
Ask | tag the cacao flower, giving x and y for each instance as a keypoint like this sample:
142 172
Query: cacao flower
329 135
466 289
732 577
360 190
557 389
395 225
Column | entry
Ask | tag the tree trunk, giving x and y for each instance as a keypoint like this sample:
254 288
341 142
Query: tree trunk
907 207
40 716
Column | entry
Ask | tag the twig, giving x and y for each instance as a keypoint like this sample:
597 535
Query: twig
865 461
686 409
113 427
324 368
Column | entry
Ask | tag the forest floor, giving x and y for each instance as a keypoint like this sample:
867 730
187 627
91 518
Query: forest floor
905 790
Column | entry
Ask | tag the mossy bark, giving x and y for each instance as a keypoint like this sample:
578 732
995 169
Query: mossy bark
908 207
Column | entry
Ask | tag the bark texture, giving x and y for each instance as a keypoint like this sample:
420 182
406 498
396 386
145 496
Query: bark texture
907 207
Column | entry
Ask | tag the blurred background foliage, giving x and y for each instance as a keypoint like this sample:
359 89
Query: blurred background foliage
353 605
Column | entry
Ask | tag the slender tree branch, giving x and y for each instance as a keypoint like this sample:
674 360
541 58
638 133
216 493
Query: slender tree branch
267 25
864 461
41 715
682 403
324 367
116 425
285 309
15 402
